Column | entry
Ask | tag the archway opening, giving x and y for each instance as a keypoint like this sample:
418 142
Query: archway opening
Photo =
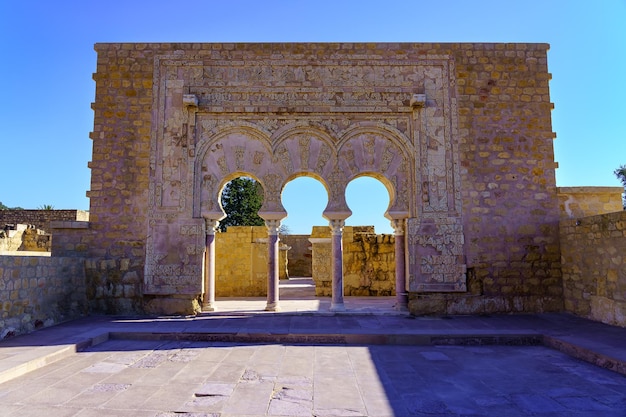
241 198
304 198
368 241
368 199
241 244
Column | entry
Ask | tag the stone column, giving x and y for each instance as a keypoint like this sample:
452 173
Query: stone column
273 276
336 228
208 303
402 299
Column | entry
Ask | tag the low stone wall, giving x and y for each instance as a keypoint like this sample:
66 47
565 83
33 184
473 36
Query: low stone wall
578 202
368 262
41 218
593 253
38 292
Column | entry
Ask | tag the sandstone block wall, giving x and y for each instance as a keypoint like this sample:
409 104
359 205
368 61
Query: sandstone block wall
576 202
39 291
241 255
41 218
594 267
368 262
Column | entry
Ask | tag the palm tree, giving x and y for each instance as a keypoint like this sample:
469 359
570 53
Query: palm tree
46 207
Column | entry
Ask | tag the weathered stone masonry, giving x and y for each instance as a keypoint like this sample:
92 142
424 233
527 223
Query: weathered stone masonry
460 134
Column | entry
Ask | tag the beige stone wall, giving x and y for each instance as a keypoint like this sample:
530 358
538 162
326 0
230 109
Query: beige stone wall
241 255
37 292
368 262
594 267
576 202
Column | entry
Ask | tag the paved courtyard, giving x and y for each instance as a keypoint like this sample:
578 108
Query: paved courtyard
184 378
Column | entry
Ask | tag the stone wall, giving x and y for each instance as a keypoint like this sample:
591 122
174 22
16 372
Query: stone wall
368 262
593 251
241 255
299 254
41 218
39 291
576 202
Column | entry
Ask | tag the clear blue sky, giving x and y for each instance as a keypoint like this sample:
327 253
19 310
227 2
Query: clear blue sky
47 59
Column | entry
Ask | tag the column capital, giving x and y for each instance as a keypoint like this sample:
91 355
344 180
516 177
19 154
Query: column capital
398 227
273 226
211 226
336 226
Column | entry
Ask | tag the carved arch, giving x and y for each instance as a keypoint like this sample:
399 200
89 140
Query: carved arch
304 148
384 153
234 150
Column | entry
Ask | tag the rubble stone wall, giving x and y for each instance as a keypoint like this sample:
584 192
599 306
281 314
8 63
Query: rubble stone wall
41 218
594 267
368 262
38 292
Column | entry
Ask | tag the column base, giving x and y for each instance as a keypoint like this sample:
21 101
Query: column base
272 307
402 302
208 307
338 307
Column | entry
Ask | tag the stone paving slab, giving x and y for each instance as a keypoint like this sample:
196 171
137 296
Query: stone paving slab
233 380
595 342
41 357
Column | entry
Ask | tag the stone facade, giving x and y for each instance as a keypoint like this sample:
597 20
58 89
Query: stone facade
39 291
575 202
460 134
594 267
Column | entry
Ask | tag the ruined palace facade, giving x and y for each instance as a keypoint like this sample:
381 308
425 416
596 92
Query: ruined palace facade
460 135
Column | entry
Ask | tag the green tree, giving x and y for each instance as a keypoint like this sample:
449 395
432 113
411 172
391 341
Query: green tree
241 199
3 207
620 173
46 207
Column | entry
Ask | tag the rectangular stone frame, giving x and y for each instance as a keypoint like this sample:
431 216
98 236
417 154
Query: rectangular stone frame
435 244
